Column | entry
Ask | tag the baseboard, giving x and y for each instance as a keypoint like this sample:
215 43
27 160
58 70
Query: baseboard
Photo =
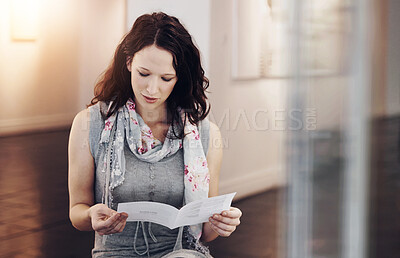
34 124
253 183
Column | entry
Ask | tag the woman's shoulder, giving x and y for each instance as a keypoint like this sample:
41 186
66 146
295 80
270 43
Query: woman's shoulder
90 122
209 127
79 132
85 114
90 116
213 126
215 133
83 117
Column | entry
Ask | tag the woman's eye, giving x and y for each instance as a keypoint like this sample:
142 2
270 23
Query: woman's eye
143 74
166 80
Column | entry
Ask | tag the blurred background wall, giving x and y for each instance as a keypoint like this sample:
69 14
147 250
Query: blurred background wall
391 20
46 81
251 114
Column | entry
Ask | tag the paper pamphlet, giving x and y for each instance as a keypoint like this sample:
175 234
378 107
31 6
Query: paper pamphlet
193 213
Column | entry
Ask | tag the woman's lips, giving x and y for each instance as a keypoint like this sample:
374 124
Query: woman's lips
149 100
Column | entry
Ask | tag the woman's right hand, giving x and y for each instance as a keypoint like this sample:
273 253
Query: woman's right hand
107 221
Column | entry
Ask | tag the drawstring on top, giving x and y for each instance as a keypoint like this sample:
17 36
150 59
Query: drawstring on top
153 237
138 224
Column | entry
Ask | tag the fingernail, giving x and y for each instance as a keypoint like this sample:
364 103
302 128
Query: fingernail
211 220
216 216
224 213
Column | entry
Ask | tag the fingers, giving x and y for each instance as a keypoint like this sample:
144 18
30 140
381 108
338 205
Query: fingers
223 225
231 217
226 222
232 213
116 225
117 229
120 227
113 224
220 231
105 222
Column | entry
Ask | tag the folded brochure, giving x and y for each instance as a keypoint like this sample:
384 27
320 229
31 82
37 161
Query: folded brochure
192 213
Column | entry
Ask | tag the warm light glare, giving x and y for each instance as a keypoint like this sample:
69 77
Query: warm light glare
24 19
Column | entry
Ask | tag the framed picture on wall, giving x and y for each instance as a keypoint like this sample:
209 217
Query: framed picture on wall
258 47
261 36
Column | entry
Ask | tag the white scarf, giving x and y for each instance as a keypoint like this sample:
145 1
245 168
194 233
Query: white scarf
127 126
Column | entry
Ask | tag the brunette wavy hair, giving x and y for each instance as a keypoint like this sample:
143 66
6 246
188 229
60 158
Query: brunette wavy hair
168 33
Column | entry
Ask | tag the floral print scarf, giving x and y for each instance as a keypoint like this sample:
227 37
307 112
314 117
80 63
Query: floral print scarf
127 128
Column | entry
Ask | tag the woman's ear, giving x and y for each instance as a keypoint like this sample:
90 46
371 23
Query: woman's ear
129 63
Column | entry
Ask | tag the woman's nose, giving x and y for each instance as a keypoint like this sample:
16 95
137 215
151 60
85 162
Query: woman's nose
152 86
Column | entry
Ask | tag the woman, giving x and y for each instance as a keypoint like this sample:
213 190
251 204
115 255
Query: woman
145 137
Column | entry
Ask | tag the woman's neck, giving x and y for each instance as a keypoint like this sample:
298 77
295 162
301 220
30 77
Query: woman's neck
155 117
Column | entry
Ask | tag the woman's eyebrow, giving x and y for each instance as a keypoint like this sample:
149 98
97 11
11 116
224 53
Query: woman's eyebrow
163 74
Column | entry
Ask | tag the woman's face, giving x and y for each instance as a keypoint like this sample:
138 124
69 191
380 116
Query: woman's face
153 78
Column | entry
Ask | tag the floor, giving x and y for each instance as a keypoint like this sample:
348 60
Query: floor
385 189
34 199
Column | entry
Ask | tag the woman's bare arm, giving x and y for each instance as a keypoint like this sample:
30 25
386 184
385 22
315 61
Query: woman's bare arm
83 214
80 172
225 223
214 160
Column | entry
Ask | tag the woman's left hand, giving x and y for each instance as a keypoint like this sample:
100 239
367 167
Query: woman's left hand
226 222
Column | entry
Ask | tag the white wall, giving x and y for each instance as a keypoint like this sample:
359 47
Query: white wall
393 59
101 29
44 83
253 144
193 14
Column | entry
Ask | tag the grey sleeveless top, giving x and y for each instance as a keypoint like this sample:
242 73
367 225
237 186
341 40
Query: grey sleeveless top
158 182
